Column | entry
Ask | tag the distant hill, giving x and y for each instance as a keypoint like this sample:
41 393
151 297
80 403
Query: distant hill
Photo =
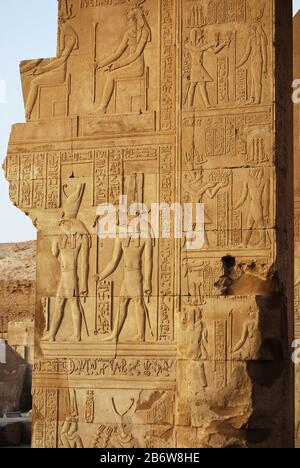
17 281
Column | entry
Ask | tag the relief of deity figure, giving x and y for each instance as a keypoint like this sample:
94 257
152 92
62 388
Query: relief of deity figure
199 76
202 331
72 250
122 439
128 60
196 338
248 344
257 53
257 191
69 434
50 72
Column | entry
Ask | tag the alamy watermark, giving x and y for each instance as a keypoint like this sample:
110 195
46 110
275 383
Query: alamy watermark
296 93
296 353
161 221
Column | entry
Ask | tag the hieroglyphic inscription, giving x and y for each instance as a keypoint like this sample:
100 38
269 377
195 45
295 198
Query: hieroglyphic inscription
104 368
168 60
166 250
35 180
103 321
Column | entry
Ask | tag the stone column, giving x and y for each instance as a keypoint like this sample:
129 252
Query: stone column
154 341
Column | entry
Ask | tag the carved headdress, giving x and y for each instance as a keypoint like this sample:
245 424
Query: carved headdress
136 9
65 11
257 13
135 3
73 202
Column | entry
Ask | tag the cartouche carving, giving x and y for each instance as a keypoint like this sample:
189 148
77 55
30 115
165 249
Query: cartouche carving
89 406
46 311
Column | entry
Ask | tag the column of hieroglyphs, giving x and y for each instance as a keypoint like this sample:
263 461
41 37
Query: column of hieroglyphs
144 342
296 57
237 160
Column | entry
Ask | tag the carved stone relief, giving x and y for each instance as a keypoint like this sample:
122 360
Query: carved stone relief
140 340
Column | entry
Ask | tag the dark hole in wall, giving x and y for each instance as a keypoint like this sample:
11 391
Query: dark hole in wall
228 263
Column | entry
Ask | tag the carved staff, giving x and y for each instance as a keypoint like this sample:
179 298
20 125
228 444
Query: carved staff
95 225
148 316
231 340
84 317
95 26
74 404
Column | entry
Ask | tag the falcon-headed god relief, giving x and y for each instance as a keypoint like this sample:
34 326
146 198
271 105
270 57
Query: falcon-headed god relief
72 250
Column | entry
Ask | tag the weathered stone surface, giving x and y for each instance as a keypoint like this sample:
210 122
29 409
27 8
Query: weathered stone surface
143 343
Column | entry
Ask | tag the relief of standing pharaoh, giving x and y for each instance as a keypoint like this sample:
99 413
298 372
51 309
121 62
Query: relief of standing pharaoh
197 188
199 76
72 250
256 191
128 60
136 249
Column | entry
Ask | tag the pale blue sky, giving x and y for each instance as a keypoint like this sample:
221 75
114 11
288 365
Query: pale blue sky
27 30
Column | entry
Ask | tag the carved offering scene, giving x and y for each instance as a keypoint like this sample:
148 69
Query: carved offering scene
226 54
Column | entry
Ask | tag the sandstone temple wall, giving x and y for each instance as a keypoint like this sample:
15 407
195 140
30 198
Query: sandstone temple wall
143 342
